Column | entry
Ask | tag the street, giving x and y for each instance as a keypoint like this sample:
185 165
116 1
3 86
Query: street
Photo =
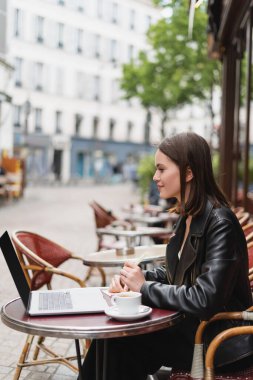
62 214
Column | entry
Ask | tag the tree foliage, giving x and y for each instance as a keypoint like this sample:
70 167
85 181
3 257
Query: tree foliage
146 171
175 70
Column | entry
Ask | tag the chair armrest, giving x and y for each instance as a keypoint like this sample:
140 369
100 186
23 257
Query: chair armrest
75 257
34 267
65 274
101 271
56 271
243 315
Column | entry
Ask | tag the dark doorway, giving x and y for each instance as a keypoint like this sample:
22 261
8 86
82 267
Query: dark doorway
57 164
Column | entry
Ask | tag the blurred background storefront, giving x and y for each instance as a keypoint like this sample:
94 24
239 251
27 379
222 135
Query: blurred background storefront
66 99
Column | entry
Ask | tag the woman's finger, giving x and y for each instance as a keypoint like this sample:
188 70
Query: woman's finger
116 285
130 264
124 272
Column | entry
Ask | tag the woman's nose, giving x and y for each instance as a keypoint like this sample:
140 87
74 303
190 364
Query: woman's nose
155 177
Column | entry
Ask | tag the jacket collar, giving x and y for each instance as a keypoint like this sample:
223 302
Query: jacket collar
176 269
198 223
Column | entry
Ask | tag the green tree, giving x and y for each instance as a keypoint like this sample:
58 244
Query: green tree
175 70
146 171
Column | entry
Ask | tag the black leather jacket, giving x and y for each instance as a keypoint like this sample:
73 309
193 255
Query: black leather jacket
211 276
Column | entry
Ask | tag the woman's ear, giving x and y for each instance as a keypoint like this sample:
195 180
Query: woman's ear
189 175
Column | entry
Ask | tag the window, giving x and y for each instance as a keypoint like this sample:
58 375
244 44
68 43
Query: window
130 52
148 22
96 89
80 5
111 128
80 84
113 51
129 130
17 22
60 35
38 119
115 10
78 124
17 116
114 91
95 127
100 8
79 41
59 81
39 26
97 46
58 122
38 76
132 20
18 72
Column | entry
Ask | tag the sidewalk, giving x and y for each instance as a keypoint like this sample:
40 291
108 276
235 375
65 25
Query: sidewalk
62 214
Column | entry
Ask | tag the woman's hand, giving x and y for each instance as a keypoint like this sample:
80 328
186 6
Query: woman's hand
116 285
131 276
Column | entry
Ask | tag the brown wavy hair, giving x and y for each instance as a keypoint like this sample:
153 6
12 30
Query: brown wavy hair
189 150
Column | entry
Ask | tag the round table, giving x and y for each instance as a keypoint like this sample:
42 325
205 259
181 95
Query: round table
110 258
85 326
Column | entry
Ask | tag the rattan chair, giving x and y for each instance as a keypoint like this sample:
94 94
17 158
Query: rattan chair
248 231
243 218
238 210
198 371
3 181
104 218
40 258
250 256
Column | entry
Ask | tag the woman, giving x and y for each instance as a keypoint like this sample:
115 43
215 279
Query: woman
206 270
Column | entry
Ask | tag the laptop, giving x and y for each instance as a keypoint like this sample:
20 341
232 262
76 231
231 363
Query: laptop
51 302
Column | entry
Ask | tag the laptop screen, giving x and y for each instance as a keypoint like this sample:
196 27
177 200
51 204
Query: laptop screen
15 267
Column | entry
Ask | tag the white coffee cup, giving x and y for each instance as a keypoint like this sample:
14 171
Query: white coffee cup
127 302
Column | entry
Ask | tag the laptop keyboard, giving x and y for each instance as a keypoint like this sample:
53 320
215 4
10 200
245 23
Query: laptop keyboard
55 301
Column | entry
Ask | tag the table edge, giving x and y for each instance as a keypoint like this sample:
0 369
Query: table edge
127 329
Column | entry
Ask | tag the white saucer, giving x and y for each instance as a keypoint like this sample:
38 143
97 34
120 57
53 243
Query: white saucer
113 312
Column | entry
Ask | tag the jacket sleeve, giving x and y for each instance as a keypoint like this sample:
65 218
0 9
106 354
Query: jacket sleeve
158 274
214 284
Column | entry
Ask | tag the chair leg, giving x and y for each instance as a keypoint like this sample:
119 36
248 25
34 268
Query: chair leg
53 357
152 377
57 359
37 348
89 273
101 271
23 356
85 346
